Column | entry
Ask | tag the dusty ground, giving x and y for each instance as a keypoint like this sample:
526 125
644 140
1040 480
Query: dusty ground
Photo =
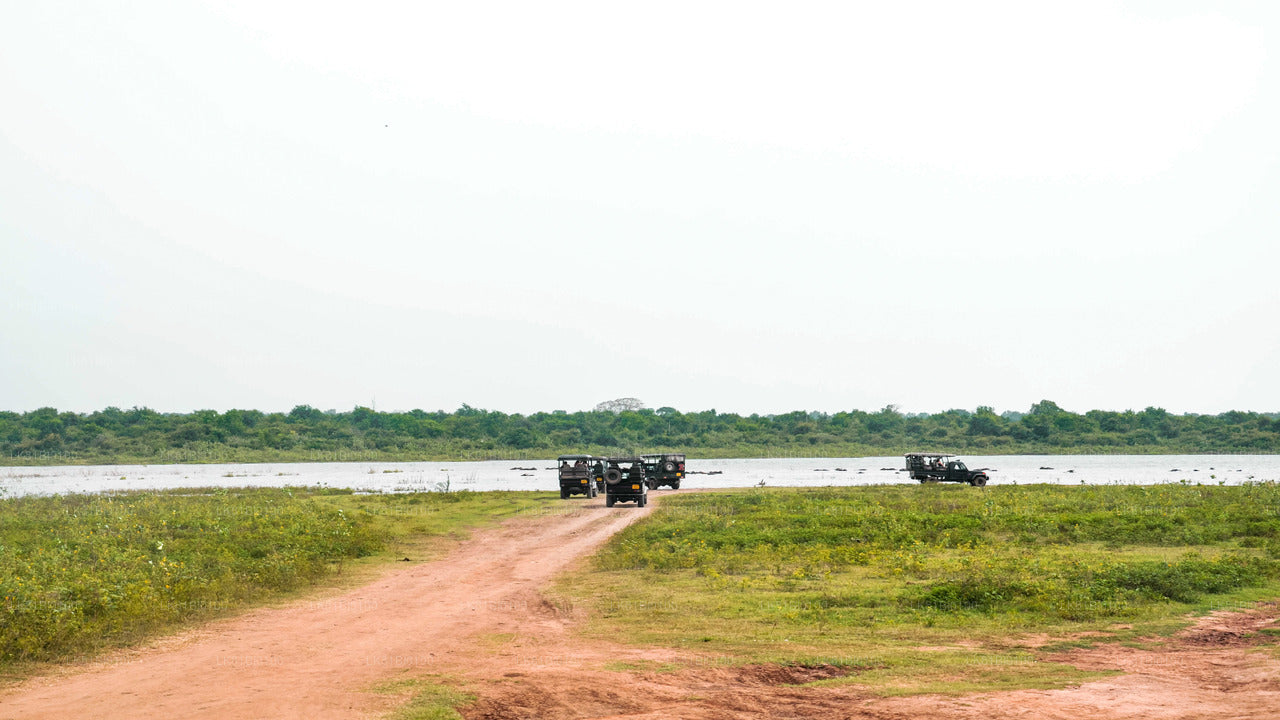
476 615
1220 668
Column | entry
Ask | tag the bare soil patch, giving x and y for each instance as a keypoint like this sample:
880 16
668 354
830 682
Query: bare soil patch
1220 667
753 691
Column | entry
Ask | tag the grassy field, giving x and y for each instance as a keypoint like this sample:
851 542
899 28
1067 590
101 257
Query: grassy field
79 573
929 588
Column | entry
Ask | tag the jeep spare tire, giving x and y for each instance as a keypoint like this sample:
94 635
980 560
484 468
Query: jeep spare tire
669 466
613 476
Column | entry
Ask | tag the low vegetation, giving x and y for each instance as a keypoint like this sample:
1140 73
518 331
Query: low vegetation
140 435
83 572
929 588
425 699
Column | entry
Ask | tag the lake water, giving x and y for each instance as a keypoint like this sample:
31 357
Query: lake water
541 475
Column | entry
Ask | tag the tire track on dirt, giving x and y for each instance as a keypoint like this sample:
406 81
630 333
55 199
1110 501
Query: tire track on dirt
317 658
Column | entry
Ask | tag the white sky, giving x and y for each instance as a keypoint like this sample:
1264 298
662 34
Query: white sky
753 207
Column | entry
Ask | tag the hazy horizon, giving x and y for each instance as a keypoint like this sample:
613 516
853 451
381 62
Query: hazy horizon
685 411
752 208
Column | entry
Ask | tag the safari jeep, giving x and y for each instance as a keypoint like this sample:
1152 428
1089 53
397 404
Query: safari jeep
624 481
666 469
597 474
575 476
936 467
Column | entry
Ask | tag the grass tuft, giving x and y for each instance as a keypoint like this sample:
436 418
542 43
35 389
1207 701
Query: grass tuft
425 700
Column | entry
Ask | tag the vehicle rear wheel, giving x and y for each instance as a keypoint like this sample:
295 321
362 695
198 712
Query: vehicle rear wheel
591 490
608 501
641 502
978 481
564 494
675 485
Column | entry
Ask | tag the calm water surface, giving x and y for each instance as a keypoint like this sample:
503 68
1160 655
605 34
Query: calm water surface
541 475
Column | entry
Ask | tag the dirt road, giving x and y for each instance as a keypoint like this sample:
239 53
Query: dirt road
317 659
477 616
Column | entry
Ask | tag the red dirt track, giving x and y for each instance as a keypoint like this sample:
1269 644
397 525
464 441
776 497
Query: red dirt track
317 659
476 615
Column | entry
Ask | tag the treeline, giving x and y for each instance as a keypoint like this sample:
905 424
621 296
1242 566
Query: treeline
141 435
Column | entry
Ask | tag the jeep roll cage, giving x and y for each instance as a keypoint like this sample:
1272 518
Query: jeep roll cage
625 484
939 467
664 469
576 475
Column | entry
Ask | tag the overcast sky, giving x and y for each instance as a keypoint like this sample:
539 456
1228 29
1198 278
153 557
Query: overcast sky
752 207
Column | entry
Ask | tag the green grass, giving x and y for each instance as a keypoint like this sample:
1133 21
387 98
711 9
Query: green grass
79 573
641 666
930 588
425 700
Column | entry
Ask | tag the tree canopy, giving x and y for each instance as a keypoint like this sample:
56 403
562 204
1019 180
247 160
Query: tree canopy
142 435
